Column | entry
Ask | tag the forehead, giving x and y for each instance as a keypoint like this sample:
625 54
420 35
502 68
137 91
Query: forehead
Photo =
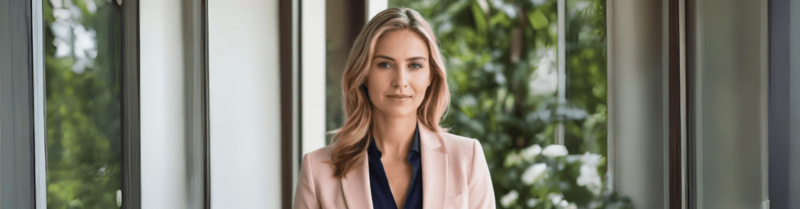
401 44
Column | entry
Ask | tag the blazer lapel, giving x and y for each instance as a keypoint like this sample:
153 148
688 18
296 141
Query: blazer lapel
434 168
356 188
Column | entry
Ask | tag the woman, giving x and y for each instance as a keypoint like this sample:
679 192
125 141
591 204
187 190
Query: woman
391 152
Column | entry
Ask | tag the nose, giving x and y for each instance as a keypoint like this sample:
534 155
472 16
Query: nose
400 77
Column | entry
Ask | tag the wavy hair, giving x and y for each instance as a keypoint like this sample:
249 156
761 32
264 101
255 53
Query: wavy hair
352 139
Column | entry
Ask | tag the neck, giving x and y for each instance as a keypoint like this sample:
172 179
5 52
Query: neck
394 135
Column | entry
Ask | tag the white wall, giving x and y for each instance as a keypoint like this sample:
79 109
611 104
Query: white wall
376 6
244 103
162 96
313 75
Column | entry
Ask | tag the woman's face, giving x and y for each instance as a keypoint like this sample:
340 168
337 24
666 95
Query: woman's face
399 73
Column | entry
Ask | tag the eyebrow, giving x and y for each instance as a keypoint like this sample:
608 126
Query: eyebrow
392 59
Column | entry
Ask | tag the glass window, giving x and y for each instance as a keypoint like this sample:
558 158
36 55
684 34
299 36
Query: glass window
343 23
586 76
82 77
503 72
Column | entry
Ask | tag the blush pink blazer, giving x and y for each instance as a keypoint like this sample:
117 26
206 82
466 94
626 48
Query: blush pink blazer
454 175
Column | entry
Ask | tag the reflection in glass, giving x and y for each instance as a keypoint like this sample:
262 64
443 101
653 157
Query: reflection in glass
82 72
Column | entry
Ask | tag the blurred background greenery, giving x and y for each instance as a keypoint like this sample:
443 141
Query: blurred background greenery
502 67
501 59
82 77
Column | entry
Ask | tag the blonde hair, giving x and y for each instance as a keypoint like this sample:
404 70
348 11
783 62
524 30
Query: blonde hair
352 139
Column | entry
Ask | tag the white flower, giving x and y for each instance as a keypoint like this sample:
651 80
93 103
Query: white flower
537 2
572 206
513 159
532 202
532 151
534 172
555 150
509 198
590 179
119 198
563 203
573 158
545 78
85 42
556 198
591 159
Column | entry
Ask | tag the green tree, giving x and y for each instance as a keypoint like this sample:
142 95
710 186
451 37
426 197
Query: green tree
82 70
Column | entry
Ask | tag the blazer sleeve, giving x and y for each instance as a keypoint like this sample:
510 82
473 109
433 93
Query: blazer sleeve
481 191
305 196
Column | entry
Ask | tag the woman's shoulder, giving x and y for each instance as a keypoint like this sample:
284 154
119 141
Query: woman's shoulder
318 163
320 155
460 145
457 140
464 154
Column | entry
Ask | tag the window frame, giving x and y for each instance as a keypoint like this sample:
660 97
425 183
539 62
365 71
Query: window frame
24 99
131 130
17 134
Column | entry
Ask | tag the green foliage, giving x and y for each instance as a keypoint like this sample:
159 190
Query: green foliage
500 58
83 106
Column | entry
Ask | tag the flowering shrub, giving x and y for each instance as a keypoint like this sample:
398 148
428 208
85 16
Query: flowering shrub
544 177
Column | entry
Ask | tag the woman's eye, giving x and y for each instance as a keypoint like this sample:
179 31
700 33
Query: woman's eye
384 65
415 66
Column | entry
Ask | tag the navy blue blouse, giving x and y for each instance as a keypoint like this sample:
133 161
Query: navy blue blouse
381 193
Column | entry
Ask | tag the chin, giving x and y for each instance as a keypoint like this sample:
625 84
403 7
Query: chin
398 111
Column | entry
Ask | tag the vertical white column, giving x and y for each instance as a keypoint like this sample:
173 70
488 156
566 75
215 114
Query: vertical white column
39 105
244 103
376 6
312 74
162 94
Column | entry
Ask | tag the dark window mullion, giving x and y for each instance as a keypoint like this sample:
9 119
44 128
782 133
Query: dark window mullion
131 135
675 169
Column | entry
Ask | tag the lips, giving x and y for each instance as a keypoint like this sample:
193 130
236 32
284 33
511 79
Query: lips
399 96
